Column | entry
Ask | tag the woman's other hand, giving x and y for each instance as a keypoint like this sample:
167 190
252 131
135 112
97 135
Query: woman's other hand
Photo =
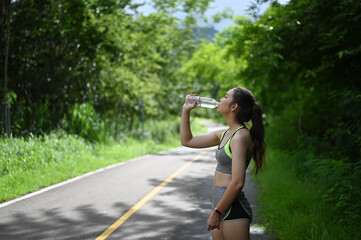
213 221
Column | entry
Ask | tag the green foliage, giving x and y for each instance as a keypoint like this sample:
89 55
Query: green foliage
192 9
337 178
85 122
210 71
23 154
157 130
301 70
297 207
347 130
103 52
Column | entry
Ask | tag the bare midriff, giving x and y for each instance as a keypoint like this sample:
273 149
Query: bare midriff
221 179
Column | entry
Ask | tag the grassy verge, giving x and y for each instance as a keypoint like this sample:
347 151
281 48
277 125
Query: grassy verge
27 165
294 208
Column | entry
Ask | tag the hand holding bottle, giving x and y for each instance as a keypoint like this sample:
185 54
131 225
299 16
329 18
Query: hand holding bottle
190 103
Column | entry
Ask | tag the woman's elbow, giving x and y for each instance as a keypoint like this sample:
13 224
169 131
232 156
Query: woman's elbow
185 143
238 185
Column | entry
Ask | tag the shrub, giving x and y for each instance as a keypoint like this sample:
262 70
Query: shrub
85 122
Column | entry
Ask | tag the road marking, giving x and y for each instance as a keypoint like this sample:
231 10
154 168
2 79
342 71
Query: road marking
145 199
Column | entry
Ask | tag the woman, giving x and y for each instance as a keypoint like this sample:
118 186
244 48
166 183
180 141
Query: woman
232 214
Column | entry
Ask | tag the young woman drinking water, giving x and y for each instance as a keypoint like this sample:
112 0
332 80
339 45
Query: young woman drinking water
231 212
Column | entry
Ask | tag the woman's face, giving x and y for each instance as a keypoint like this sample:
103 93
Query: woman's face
225 102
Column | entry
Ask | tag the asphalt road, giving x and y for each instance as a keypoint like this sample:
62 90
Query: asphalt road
85 207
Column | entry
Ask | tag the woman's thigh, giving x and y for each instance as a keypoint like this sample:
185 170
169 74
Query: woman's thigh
217 234
236 230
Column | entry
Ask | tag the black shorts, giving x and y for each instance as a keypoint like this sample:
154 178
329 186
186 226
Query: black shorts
240 208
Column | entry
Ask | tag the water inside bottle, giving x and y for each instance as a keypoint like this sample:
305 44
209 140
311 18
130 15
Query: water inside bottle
208 103
203 101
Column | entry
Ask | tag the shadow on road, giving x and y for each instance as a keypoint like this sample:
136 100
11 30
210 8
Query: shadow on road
179 211
57 226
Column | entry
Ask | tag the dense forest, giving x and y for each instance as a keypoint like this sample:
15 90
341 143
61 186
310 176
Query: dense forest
98 68
99 58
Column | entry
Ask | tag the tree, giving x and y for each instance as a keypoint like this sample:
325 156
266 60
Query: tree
5 19
96 52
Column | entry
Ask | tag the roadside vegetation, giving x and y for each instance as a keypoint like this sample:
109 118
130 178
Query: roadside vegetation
28 164
300 207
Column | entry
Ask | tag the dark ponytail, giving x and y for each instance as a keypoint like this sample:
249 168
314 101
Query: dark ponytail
257 133
250 110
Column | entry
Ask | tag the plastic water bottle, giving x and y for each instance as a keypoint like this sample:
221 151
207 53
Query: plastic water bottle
202 101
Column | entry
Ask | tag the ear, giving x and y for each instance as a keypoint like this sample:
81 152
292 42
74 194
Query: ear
234 107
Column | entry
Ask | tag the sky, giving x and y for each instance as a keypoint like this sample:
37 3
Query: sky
239 8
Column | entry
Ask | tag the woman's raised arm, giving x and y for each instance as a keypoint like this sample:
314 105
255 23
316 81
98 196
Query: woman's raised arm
201 141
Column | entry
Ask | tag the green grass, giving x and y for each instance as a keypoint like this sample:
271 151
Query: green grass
294 208
27 165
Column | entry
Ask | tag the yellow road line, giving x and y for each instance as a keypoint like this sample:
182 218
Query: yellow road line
145 199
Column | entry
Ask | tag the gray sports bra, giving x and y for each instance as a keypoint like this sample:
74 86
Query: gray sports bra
224 155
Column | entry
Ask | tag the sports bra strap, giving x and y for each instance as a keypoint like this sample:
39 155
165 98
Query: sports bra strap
223 135
227 147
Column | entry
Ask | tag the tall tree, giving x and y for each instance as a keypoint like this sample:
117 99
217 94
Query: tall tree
5 19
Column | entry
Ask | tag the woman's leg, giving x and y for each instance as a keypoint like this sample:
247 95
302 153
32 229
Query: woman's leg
217 234
236 230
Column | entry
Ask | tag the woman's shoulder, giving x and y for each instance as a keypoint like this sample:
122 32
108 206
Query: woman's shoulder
219 133
242 135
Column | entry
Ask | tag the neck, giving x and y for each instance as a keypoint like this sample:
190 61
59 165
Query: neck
232 123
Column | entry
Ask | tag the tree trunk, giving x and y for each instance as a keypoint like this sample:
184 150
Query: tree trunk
5 101
3 10
2 17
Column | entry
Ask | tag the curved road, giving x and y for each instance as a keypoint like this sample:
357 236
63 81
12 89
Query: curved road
85 207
